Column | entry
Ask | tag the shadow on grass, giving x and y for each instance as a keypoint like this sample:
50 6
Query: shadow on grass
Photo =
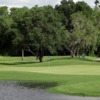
39 85
75 58
17 63
32 62
48 60
88 60
85 59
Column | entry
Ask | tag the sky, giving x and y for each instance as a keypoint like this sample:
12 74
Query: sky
31 3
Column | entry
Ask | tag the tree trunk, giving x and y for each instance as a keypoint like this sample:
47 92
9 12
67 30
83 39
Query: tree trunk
22 54
72 54
40 59
78 54
40 54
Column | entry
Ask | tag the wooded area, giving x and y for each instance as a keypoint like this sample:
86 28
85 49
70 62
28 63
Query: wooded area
69 28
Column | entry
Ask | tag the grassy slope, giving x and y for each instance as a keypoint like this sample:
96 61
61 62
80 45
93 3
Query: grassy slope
75 76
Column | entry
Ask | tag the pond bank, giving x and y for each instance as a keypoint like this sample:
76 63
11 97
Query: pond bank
12 91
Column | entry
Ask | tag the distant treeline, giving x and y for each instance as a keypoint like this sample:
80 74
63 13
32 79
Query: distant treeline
69 28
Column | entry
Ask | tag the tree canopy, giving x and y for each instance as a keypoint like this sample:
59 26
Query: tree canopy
68 27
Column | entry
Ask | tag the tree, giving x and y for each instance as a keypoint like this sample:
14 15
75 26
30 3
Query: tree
40 29
5 25
83 7
65 9
47 31
4 11
83 35
18 30
97 25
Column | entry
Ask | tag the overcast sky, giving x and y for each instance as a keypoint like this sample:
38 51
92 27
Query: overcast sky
31 3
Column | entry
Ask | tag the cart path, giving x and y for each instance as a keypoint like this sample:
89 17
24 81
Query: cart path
11 91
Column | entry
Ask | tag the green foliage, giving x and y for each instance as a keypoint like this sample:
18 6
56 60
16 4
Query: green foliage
97 25
47 30
4 11
83 7
65 9
83 36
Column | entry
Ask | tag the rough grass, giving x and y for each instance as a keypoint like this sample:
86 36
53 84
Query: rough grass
58 74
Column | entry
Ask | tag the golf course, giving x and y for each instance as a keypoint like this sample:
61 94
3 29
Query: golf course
57 74
50 50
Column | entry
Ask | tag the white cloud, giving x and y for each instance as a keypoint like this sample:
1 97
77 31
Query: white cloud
31 3
90 2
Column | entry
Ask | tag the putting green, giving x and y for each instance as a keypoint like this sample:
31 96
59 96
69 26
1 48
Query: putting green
68 70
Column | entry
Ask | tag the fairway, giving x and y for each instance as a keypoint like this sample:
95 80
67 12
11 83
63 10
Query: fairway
73 76
68 70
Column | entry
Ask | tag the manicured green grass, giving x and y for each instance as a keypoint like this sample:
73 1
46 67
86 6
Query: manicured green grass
73 76
68 70
53 61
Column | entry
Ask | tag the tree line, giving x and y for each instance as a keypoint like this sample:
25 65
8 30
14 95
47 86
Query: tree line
70 28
